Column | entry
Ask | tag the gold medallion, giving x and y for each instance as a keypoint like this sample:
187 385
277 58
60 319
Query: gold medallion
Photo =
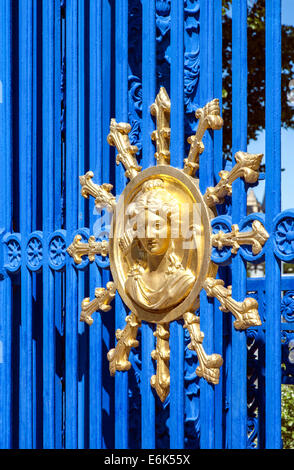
160 243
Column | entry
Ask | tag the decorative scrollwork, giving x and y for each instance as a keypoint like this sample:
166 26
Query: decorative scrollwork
13 252
284 236
287 306
34 252
57 247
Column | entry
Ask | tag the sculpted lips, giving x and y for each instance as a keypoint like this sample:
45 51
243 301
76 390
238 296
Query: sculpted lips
152 243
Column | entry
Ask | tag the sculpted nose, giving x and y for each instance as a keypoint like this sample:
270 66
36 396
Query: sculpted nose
148 231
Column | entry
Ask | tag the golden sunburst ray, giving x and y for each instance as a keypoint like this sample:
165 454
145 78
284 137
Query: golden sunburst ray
103 298
118 137
118 357
77 249
161 110
255 237
247 167
209 365
102 194
246 312
208 118
161 381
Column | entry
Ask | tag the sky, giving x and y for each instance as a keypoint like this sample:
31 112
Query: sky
287 139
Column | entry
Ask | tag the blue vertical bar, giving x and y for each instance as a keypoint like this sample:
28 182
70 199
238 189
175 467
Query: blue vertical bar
206 174
72 195
25 205
82 327
217 37
5 222
48 223
273 206
177 157
121 113
218 166
96 161
239 142
58 276
148 97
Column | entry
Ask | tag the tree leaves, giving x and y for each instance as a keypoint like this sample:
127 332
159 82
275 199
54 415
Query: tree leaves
256 72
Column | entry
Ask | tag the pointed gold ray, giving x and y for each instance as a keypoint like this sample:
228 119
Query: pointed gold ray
247 167
246 312
77 249
209 365
102 194
103 297
256 237
161 381
118 137
209 118
118 357
161 110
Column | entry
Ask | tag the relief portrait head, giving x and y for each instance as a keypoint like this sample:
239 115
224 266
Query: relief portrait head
158 276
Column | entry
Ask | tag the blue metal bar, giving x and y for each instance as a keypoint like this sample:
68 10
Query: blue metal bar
25 204
5 223
121 113
239 142
206 172
273 206
218 165
58 202
95 163
177 156
83 329
72 194
49 149
148 97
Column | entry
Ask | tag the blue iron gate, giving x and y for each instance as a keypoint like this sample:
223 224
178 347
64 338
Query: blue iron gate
68 67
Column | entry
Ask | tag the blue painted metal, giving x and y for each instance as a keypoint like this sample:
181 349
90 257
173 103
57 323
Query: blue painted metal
273 201
148 97
71 214
121 115
239 142
206 175
176 159
68 68
6 223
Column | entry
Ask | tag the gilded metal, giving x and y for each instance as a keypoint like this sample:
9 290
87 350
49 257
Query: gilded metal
119 138
247 167
160 244
256 238
118 357
209 365
246 312
102 194
78 249
161 110
209 118
161 381
103 298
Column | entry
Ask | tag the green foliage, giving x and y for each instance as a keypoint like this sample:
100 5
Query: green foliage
288 416
256 72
